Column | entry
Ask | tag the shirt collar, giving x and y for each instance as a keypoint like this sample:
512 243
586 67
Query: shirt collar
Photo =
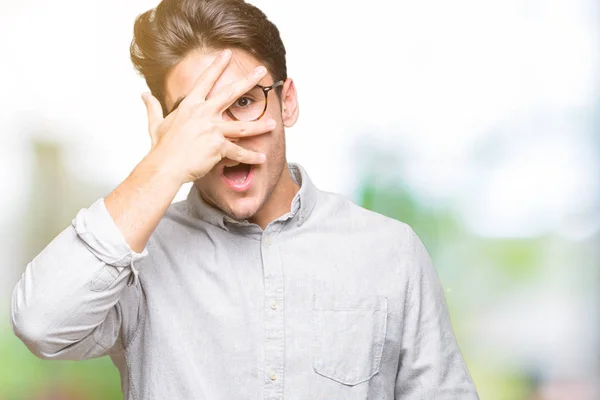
301 207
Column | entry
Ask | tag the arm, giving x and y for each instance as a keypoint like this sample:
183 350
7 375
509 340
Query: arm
78 295
431 366
73 298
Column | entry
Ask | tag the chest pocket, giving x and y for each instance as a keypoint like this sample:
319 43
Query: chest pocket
348 336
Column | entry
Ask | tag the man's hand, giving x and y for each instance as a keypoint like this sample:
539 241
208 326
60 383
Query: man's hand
191 140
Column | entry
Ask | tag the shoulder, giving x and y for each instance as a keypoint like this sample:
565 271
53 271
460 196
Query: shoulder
178 210
342 208
335 208
178 221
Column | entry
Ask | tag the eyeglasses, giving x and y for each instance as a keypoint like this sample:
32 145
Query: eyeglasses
253 105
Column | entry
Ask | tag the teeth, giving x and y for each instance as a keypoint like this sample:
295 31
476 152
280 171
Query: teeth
232 165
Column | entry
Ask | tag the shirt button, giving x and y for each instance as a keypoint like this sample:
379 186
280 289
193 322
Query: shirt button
272 375
273 305
268 240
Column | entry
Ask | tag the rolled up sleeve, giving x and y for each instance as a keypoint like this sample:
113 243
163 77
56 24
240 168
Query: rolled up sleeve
74 297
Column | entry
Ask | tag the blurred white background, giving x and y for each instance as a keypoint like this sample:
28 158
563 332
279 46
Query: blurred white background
487 108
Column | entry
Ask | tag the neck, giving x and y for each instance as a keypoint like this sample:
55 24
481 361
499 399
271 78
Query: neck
279 201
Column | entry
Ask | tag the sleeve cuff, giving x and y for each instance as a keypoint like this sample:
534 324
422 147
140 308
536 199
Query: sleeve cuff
103 238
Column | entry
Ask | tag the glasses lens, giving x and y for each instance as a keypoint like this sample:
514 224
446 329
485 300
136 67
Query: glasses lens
250 106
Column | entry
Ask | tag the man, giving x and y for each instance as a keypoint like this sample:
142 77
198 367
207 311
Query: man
258 285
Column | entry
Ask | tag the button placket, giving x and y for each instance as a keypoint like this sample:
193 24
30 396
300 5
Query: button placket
274 317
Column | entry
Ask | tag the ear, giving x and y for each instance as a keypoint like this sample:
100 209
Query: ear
289 104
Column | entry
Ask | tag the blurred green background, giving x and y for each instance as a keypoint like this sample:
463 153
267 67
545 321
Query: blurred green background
481 131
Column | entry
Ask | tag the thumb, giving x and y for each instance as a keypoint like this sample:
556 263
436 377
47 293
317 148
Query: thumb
155 117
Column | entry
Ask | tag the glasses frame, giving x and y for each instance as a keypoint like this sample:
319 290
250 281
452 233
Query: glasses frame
266 90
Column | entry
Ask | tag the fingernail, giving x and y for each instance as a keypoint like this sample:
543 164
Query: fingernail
258 71
262 157
226 53
144 96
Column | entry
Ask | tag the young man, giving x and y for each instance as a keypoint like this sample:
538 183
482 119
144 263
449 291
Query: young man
258 285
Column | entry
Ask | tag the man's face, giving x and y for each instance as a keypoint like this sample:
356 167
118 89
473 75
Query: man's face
264 177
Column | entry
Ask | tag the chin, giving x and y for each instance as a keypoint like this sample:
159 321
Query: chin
243 208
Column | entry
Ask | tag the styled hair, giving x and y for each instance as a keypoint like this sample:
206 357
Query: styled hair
165 35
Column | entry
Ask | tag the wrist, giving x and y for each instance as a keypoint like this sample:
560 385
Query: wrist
155 165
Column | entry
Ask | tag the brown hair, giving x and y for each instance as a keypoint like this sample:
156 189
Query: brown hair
163 36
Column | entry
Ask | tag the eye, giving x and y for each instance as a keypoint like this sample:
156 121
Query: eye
243 102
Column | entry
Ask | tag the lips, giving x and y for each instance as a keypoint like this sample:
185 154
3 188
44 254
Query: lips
237 184
240 182
227 162
238 172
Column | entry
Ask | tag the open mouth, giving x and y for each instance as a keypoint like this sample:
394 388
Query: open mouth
237 173
239 176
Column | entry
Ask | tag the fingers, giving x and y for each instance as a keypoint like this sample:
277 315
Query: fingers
207 79
230 93
239 154
238 129
155 115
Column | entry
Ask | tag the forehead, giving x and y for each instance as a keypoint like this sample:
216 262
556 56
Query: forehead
181 79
